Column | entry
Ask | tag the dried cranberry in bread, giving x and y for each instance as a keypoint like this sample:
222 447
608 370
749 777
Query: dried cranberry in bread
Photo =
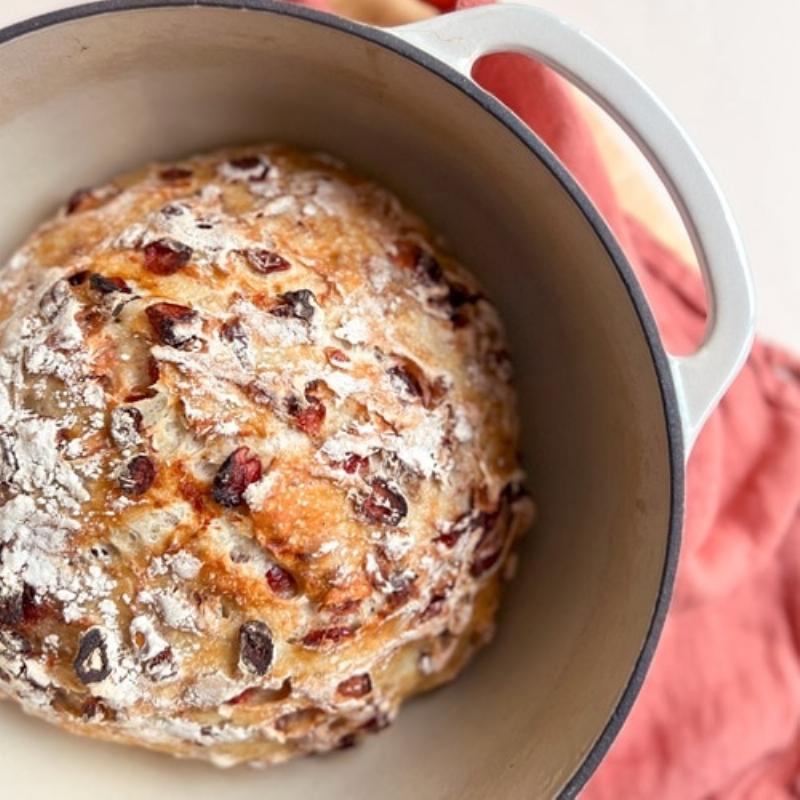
258 466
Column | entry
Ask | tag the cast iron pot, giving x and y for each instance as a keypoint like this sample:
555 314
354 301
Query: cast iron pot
609 417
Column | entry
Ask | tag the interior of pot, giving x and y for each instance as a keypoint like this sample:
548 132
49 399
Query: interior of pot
86 98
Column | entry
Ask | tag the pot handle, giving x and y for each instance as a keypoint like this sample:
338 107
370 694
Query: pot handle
701 379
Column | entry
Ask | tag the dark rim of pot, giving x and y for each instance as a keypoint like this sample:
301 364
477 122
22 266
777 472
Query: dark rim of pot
494 107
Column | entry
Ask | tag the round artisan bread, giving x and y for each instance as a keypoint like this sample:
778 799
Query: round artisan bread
258 460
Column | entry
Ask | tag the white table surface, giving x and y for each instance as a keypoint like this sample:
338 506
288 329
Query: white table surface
728 70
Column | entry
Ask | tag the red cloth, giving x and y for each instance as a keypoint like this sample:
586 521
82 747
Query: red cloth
718 715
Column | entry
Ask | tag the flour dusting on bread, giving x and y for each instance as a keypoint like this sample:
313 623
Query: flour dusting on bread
259 479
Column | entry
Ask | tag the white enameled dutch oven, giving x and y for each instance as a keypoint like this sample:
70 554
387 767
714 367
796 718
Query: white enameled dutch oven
609 417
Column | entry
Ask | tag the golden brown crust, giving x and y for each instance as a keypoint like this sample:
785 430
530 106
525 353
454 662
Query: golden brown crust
257 460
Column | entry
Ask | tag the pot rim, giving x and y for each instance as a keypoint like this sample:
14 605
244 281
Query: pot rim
385 38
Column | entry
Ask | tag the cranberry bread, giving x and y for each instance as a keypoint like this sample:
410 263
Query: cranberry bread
258 460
